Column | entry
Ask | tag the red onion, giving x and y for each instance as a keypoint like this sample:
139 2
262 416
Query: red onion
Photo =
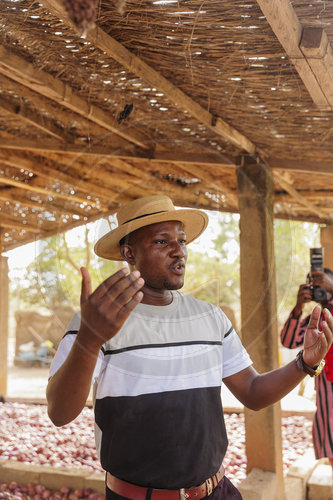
74 445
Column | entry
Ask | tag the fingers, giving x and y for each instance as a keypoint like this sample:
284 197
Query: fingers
116 291
129 306
327 326
304 294
104 311
121 293
107 284
86 288
314 319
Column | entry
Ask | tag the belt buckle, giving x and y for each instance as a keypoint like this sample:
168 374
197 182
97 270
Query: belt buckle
182 494
209 486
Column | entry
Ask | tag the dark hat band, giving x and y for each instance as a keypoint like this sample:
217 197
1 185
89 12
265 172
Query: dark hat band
144 215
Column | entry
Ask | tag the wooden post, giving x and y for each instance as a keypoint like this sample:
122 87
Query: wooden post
4 291
258 307
326 238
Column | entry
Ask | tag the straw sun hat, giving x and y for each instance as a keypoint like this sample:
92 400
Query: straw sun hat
145 211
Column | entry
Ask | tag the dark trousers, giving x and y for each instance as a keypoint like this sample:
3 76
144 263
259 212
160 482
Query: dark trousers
225 490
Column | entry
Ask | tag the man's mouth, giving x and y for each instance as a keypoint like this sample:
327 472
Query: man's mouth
178 268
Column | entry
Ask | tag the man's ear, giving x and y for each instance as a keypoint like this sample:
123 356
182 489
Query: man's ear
127 252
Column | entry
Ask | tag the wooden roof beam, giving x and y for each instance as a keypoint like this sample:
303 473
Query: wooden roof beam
56 175
190 191
317 50
287 185
302 218
19 70
135 65
39 121
320 168
301 166
212 182
12 195
311 61
11 224
37 189
319 195
52 146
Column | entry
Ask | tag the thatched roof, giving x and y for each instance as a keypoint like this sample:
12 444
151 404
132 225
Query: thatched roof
172 96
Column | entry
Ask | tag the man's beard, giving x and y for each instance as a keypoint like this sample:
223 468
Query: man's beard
167 285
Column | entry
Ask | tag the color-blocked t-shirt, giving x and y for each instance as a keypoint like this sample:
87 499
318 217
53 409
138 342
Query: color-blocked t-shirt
157 392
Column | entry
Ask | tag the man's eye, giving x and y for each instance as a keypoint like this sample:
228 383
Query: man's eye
183 242
161 242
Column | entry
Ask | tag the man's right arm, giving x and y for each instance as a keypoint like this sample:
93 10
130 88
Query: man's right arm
68 389
103 313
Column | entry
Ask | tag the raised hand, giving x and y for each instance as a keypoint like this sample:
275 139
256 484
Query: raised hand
317 342
303 296
104 311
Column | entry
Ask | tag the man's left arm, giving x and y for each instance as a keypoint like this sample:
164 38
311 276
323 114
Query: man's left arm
256 391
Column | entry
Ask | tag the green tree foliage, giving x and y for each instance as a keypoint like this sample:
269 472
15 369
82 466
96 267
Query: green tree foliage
54 276
214 276
292 242
212 272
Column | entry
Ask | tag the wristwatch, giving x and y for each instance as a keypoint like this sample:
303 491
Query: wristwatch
313 372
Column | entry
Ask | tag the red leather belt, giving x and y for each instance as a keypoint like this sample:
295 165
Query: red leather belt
133 492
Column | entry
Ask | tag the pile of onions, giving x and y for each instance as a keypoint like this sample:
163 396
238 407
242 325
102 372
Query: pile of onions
32 491
27 435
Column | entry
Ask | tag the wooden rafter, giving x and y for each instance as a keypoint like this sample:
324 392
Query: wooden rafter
313 167
287 185
324 168
137 66
212 182
26 74
144 178
11 224
37 189
72 125
317 50
317 78
13 196
309 194
114 185
55 174
36 120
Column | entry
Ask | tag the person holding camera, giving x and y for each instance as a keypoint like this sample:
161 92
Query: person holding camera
319 288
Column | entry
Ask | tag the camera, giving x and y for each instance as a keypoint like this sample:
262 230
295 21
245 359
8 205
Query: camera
318 294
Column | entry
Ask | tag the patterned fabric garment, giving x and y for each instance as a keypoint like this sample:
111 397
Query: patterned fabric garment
157 392
292 336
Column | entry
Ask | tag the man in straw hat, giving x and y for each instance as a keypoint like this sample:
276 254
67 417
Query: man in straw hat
156 358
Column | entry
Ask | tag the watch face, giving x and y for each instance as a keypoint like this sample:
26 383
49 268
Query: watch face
319 368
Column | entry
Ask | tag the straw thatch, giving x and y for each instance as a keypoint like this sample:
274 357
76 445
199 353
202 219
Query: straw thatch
170 97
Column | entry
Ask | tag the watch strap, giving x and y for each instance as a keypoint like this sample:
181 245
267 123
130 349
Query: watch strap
302 366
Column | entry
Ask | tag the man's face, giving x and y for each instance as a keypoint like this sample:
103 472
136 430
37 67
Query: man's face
159 253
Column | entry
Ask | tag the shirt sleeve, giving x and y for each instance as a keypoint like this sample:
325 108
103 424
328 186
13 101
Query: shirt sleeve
65 347
235 356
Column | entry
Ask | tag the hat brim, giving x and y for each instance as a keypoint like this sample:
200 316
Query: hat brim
195 222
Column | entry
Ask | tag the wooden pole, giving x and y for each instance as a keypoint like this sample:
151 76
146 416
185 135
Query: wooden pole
258 306
326 239
4 291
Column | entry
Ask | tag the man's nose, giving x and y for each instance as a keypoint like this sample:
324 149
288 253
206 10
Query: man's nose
177 249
